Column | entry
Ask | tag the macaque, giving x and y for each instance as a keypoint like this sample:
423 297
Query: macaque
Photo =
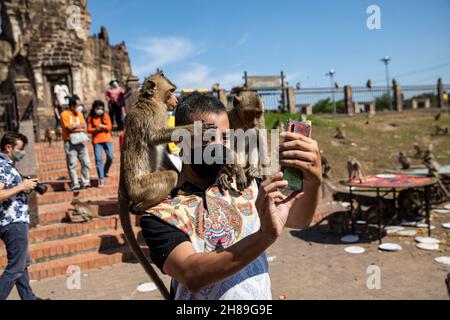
404 161
326 168
339 134
50 136
147 175
355 170
81 212
437 117
419 151
440 130
247 114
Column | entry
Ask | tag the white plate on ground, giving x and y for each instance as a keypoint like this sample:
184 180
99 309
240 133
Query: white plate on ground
424 225
427 240
351 238
146 287
355 250
447 206
408 223
443 260
345 204
385 176
394 228
428 246
441 211
446 225
361 222
390 247
407 233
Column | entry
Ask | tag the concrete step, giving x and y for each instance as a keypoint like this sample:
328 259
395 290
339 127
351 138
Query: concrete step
61 165
53 250
59 174
107 192
56 213
86 261
66 184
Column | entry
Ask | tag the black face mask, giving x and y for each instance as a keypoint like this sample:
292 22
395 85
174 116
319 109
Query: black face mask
205 169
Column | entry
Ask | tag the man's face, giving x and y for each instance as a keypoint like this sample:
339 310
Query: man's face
221 122
11 150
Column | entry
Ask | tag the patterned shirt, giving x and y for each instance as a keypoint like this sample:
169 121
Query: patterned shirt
14 209
215 221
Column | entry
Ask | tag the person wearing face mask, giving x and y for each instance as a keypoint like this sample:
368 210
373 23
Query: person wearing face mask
115 96
212 243
14 217
100 126
74 135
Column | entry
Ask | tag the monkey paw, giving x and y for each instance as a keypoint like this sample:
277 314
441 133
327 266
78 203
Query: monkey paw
224 182
251 173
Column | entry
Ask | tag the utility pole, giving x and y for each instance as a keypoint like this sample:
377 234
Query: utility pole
386 60
331 75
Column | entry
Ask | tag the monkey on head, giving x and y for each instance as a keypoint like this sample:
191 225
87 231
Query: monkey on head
247 114
147 175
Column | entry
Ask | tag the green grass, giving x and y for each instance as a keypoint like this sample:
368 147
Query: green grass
375 141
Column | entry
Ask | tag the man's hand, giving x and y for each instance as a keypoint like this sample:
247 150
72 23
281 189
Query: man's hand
28 185
273 206
302 153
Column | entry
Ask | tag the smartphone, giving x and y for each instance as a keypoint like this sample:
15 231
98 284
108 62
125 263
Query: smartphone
294 177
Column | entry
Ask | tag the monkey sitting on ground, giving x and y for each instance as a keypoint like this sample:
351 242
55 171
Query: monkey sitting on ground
404 161
49 136
354 169
147 175
247 114
339 134
81 212
419 151
326 168
441 131
437 117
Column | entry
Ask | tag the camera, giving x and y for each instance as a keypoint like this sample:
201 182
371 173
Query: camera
41 188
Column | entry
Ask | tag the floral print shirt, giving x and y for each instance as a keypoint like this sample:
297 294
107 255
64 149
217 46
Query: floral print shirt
14 209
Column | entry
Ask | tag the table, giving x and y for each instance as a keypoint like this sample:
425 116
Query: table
421 170
389 183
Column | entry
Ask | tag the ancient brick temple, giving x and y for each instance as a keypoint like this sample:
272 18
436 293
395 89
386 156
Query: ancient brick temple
44 40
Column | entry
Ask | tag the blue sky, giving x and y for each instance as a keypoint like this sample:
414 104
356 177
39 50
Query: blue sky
200 42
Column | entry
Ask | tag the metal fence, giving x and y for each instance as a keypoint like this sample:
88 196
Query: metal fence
274 99
311 96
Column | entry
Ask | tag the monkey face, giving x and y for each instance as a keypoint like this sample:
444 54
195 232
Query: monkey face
250 109
160 88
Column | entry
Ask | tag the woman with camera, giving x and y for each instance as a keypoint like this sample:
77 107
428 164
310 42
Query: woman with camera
14 217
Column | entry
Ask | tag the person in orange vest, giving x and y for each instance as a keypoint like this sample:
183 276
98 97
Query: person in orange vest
100 126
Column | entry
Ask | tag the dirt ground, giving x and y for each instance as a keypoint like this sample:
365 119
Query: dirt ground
308 264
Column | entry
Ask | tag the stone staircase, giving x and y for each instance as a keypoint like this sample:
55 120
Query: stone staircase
56 244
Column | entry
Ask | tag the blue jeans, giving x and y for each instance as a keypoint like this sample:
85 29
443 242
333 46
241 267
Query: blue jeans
15 237
103 170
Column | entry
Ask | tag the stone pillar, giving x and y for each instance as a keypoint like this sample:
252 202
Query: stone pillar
132 92
440 93
26 103
427 104
372 108
348 100
398 99
306 110
27 167
77 83
414 104
357 108
291 99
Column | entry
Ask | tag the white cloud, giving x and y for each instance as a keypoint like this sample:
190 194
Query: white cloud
198 76
159 52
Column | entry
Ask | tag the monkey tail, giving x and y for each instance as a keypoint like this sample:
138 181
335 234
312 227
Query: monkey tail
125 221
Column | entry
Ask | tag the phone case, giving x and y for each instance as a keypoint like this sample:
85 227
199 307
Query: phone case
294 177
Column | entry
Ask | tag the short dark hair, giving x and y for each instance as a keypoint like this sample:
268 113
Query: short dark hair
73 100
194 104
11 138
